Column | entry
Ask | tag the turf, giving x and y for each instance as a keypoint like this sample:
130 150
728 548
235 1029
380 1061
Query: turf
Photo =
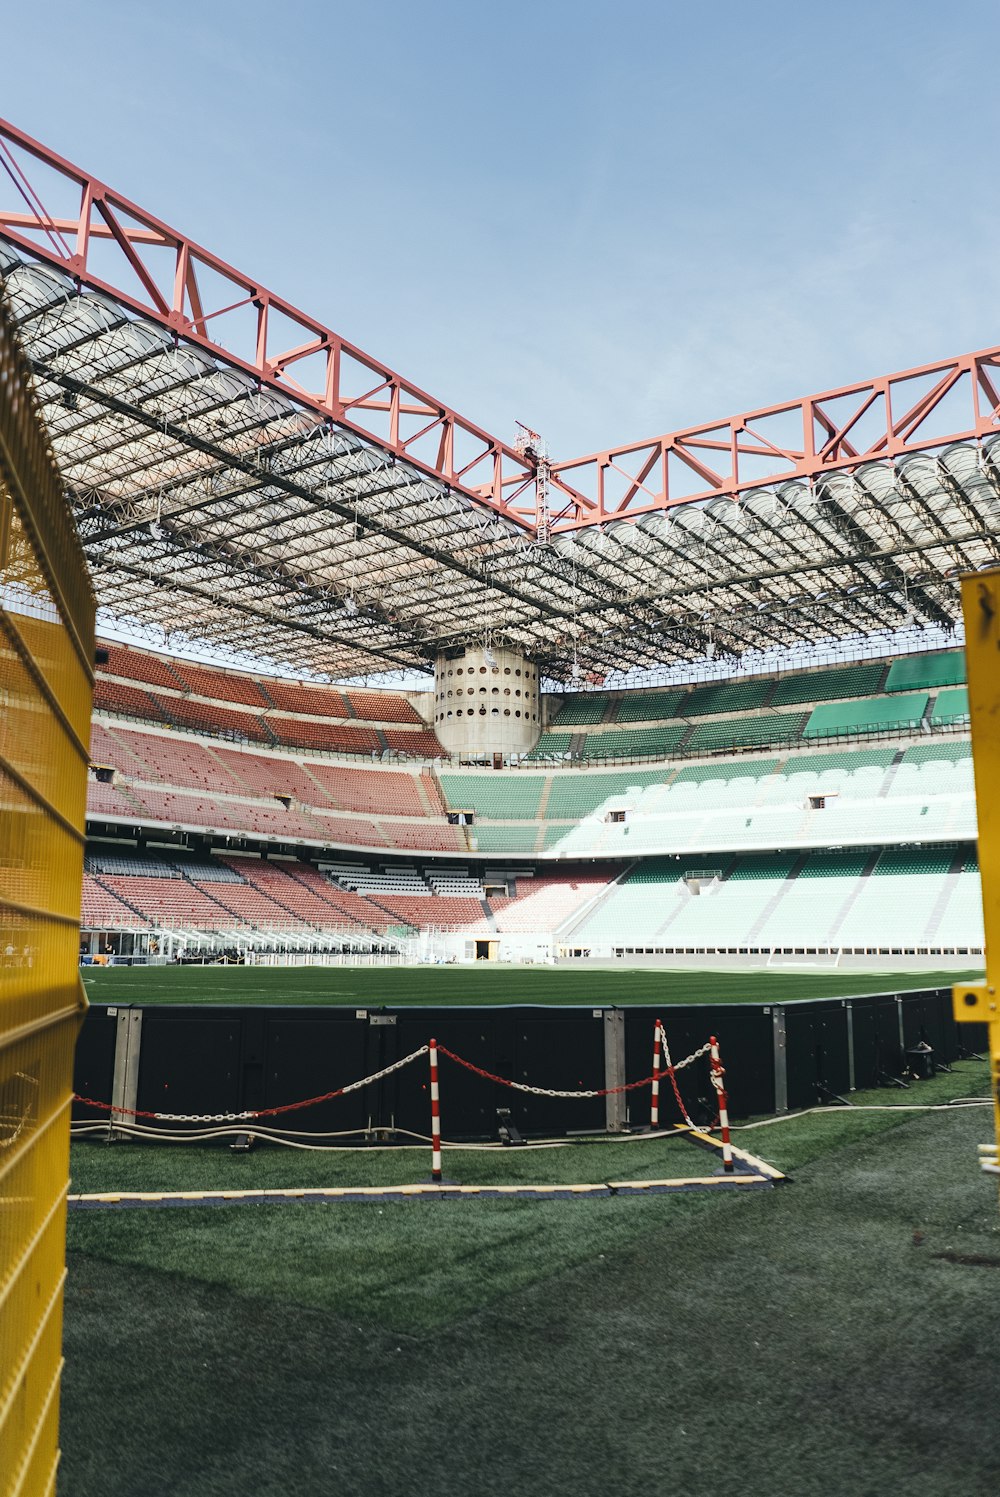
370 987
834 1336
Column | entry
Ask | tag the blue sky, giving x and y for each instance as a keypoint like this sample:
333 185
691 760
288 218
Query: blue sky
605 220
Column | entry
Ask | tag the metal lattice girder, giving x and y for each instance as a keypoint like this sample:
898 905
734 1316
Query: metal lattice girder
879 419
222 504
72 220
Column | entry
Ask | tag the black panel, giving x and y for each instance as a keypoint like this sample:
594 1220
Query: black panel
304 1056
565 1053
190 1060
214 1060
817 1051
468 1102
94 1063
746 1042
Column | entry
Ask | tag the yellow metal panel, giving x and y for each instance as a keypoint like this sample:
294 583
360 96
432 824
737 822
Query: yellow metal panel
981 609
46 650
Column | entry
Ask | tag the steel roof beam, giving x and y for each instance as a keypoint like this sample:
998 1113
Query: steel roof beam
200 291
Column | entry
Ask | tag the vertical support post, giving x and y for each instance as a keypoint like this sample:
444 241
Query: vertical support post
719 1082
435 1115
654 1106
979 1003
125 1078
780 1060
614 1067
851 1074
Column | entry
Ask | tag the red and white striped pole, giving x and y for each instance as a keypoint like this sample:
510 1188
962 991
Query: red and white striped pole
718 1081
435 1115
654 1108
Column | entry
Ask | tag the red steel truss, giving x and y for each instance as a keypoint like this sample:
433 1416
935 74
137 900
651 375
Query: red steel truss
109 244
112 245
878 419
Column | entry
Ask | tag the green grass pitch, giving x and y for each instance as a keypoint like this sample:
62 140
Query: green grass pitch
369 987
835 1337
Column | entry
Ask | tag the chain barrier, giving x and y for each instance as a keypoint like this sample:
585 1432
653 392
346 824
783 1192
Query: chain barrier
672 1071
261 1112
353 1086
548 1091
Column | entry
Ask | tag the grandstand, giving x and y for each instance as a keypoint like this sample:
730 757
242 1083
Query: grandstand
376 682
587 854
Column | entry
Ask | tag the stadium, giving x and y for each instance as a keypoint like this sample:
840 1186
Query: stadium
405 734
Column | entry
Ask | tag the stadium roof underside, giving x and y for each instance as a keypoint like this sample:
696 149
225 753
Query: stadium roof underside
223 506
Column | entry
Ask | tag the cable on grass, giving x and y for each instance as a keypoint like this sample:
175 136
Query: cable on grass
957 1104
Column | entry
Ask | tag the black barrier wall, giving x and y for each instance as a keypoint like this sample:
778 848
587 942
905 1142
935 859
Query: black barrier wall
201 1062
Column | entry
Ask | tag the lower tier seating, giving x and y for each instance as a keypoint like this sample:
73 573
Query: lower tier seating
855 900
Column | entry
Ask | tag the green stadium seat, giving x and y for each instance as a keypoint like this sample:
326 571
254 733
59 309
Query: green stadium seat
827 685
499 797
575 795
746 732
634 743
726 696
951 706
648 706
551 745
870 715
730 770
582 709
952 749
910 672
505 839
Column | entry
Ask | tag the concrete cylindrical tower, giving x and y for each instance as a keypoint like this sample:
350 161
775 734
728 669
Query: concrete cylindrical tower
486 705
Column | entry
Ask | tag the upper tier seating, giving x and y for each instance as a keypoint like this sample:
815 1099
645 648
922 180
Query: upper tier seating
951 706
313 701
827 685
633 743
583 708
744 732
137 665
873 714
128 701
382 707
911 672
355 722
551 745
648 706
298 732
726 696
223 686
205 717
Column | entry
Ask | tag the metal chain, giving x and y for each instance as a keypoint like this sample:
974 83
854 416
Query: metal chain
548 1091
263 1112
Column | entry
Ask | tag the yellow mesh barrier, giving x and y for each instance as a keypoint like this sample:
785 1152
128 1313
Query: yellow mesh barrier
46 650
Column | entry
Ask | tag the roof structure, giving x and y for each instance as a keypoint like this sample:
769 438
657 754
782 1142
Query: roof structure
245 480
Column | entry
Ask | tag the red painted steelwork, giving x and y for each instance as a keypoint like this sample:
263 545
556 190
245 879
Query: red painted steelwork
875 420
162 275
